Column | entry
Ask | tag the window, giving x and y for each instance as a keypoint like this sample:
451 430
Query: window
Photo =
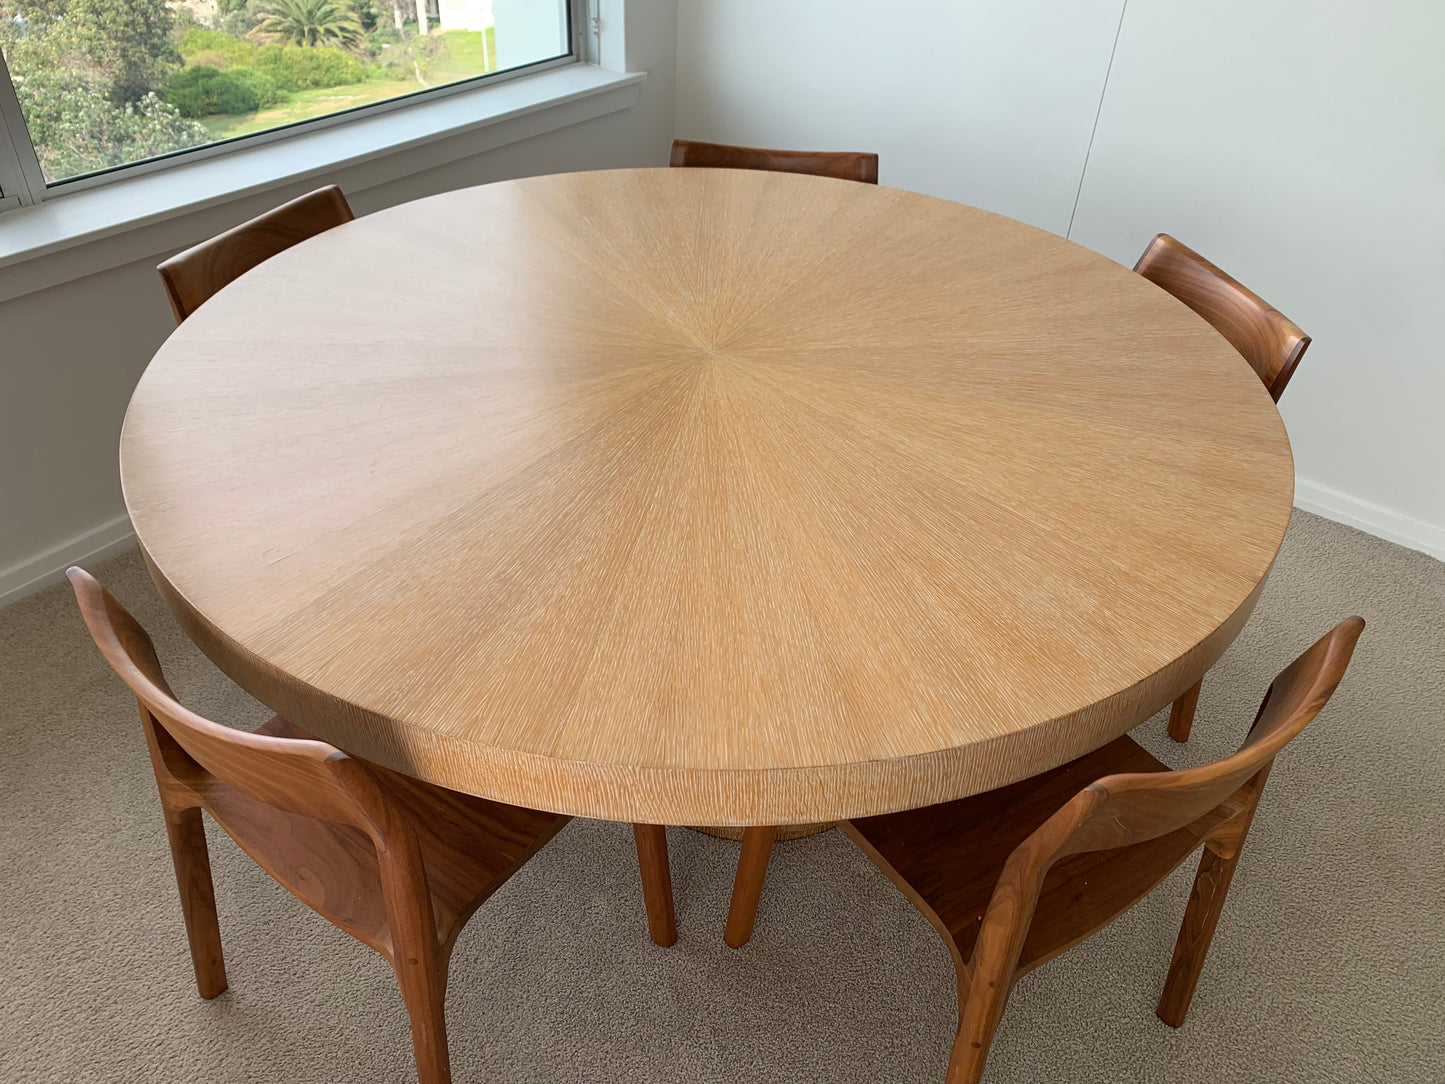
90 86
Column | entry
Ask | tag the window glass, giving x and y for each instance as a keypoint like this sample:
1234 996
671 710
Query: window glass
105 83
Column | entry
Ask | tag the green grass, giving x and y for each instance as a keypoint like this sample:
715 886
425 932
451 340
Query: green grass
306 104
464 54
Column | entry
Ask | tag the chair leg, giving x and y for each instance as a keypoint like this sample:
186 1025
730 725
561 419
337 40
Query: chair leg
1181 715
966 1062
423 988
198 897
656 882
1206 902
983 992
984 985
748 884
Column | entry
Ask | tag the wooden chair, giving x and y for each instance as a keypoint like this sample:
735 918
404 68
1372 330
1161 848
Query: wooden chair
1271 342
844 165
397 863
192 276
1014 877
1267 339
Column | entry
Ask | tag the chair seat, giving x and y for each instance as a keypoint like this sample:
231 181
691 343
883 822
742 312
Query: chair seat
469 845
948 857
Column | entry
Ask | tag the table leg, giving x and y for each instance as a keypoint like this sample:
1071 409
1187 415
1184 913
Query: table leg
1181 715
748 884
656 882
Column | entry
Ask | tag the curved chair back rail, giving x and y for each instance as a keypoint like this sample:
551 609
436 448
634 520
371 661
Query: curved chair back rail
192 276
1123 810
1272 343
307 778
1014 877
844 165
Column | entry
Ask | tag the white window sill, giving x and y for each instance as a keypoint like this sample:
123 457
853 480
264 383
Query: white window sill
38 244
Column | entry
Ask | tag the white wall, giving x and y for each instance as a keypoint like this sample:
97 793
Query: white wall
70 355
1298 143
975 100
1301 144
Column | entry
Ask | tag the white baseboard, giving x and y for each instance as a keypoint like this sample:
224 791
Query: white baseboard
47 567
1370 518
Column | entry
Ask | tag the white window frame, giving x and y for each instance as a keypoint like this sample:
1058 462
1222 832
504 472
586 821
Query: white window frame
23 183
19 168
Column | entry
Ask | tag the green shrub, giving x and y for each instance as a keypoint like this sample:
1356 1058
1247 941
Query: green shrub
200 91
260 84
301 67
212 48
210 59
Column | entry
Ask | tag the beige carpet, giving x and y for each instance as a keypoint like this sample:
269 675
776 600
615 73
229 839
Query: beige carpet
1329 964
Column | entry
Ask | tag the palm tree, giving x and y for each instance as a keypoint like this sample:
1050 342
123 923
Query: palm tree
309 22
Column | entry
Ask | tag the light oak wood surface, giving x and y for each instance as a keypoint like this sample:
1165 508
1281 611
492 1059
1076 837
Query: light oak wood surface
705 496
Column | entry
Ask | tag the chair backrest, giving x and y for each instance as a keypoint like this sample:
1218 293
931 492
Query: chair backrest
1122 810
192 276
1271 342
844 165
309 778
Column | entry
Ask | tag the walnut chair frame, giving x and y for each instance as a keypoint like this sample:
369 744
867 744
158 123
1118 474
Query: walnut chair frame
398 864
1015 877
193 276
1272 343
844 165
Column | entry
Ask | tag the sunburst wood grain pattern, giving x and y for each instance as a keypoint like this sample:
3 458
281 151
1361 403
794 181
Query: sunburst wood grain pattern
706 496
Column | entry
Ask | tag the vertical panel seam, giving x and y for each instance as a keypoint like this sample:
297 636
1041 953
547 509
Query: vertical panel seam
1097 113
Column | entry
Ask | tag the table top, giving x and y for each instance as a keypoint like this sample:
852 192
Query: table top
705 496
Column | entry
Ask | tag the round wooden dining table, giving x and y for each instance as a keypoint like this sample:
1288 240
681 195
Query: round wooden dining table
705 496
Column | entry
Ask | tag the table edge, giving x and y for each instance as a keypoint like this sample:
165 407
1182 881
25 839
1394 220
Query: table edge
728 797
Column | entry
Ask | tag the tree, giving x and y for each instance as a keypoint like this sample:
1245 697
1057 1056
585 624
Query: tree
369 13
69 106
125 44
76 129
130 40
236 17
309 22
